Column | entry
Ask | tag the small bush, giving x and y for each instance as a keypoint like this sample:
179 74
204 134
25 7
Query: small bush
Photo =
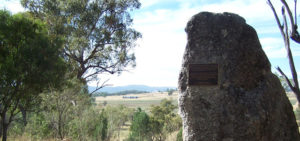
140 127
179 135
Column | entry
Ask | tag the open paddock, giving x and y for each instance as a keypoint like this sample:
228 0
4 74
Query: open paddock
138 100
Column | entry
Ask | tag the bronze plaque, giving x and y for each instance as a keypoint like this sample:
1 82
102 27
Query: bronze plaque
203 74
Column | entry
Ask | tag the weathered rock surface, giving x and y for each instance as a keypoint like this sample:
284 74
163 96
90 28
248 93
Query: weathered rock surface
248 103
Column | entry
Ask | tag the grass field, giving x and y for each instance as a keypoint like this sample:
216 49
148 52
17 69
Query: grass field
143 101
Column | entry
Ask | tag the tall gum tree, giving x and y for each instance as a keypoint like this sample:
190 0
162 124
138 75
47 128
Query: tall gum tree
98 34
30 61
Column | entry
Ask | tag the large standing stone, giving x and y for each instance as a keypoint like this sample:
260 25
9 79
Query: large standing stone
245 102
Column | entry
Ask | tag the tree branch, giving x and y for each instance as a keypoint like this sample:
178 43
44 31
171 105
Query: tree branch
286 78
289 14
100 87
290 55
286 37
295 12
286 32
276 17
294 34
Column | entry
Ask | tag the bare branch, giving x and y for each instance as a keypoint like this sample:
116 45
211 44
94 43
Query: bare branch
295 8
290 55
286 78
292 67
102 69
294 35
101 86
276 17
289 14
286 35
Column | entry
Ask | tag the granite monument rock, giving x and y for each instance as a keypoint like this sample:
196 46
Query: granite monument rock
227 89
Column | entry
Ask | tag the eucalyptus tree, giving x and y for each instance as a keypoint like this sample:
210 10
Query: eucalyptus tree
98 34
29 62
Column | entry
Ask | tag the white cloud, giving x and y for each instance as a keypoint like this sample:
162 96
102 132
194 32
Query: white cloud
273 47
159 56
247 9
13 6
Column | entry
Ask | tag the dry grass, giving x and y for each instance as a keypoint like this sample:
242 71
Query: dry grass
124 133
145 96
144 100
172 136
292 99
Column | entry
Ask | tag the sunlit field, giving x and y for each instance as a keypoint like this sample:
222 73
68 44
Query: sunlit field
143 101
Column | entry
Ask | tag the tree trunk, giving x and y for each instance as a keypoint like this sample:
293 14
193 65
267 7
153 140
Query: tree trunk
0 127
4 132
60 128
4 127
24 115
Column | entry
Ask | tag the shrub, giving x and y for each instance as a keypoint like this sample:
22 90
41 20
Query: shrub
91 125
179 135
140 127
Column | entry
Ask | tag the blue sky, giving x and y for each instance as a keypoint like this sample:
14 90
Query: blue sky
159 53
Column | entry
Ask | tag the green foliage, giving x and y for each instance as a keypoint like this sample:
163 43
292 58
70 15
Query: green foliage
172 123
164 120
179 135
140 126
158 125
170 91
39 127
29 62
61 107
91 125
17 127
98 34
93 36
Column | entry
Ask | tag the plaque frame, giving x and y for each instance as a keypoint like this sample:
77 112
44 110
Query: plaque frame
203 74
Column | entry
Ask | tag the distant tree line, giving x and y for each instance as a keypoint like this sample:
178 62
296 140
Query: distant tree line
104 94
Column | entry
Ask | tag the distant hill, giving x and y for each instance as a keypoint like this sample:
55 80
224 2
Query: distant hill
130 87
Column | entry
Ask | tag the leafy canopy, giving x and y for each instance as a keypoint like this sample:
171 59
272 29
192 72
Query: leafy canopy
98 34
29 62
140 126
